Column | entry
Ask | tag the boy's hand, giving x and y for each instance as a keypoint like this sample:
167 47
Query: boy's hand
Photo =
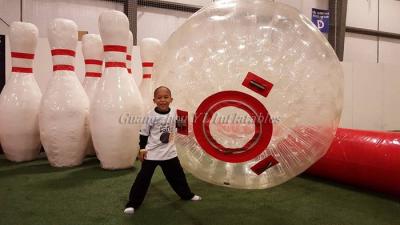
142 154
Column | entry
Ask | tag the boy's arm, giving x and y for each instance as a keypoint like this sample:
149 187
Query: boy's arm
142 144
144 132
143 139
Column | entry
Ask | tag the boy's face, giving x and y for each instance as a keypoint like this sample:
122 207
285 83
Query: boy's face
163 99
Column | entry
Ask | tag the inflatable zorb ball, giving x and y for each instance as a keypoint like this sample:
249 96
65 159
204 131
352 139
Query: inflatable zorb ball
258 91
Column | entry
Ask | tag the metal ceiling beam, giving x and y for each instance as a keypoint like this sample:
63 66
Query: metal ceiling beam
337 25
375 33
130 10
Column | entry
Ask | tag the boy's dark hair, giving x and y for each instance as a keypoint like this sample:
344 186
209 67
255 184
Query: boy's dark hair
156 90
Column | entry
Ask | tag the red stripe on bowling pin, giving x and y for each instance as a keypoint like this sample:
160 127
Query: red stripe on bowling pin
63 52
147 65
92 74
115 48
67 52
115 64
93 62
129 59
22 55
21 70
63 67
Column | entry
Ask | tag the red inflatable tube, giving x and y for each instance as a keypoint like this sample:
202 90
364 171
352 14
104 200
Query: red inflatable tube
368 159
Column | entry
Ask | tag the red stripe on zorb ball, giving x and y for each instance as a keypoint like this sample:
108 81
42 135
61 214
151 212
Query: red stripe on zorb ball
115 64
21 70
147 64
63 67
251 105
21 55
257 84
93 62
114 48
146 76
182 122
67 52
239 105
263 165
129 57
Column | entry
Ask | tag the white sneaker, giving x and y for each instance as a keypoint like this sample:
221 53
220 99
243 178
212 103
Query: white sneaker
129 210
196 198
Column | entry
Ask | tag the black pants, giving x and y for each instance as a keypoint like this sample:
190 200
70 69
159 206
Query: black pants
172 170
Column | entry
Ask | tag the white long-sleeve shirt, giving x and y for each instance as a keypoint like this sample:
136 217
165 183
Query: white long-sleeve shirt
159 128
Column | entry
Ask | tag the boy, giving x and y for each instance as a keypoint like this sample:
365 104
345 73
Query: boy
157 147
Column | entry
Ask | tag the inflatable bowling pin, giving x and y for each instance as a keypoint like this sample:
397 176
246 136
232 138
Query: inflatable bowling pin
117 102
149 50
20 98
63 118
92 49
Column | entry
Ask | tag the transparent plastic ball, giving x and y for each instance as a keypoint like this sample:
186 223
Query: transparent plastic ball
261 90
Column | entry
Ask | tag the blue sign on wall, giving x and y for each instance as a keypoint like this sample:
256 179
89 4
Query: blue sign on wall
320 18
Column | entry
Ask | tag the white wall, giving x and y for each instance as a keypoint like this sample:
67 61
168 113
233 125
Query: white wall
9 12
162 21
365 48
365 13
360 48
85 13
371 66
40 12
389 50
362 14
305 6
371 96
389 19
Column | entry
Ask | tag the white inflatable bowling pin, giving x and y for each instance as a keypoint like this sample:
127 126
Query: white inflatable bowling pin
149 51
117 102
92 49
63 118
20 98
